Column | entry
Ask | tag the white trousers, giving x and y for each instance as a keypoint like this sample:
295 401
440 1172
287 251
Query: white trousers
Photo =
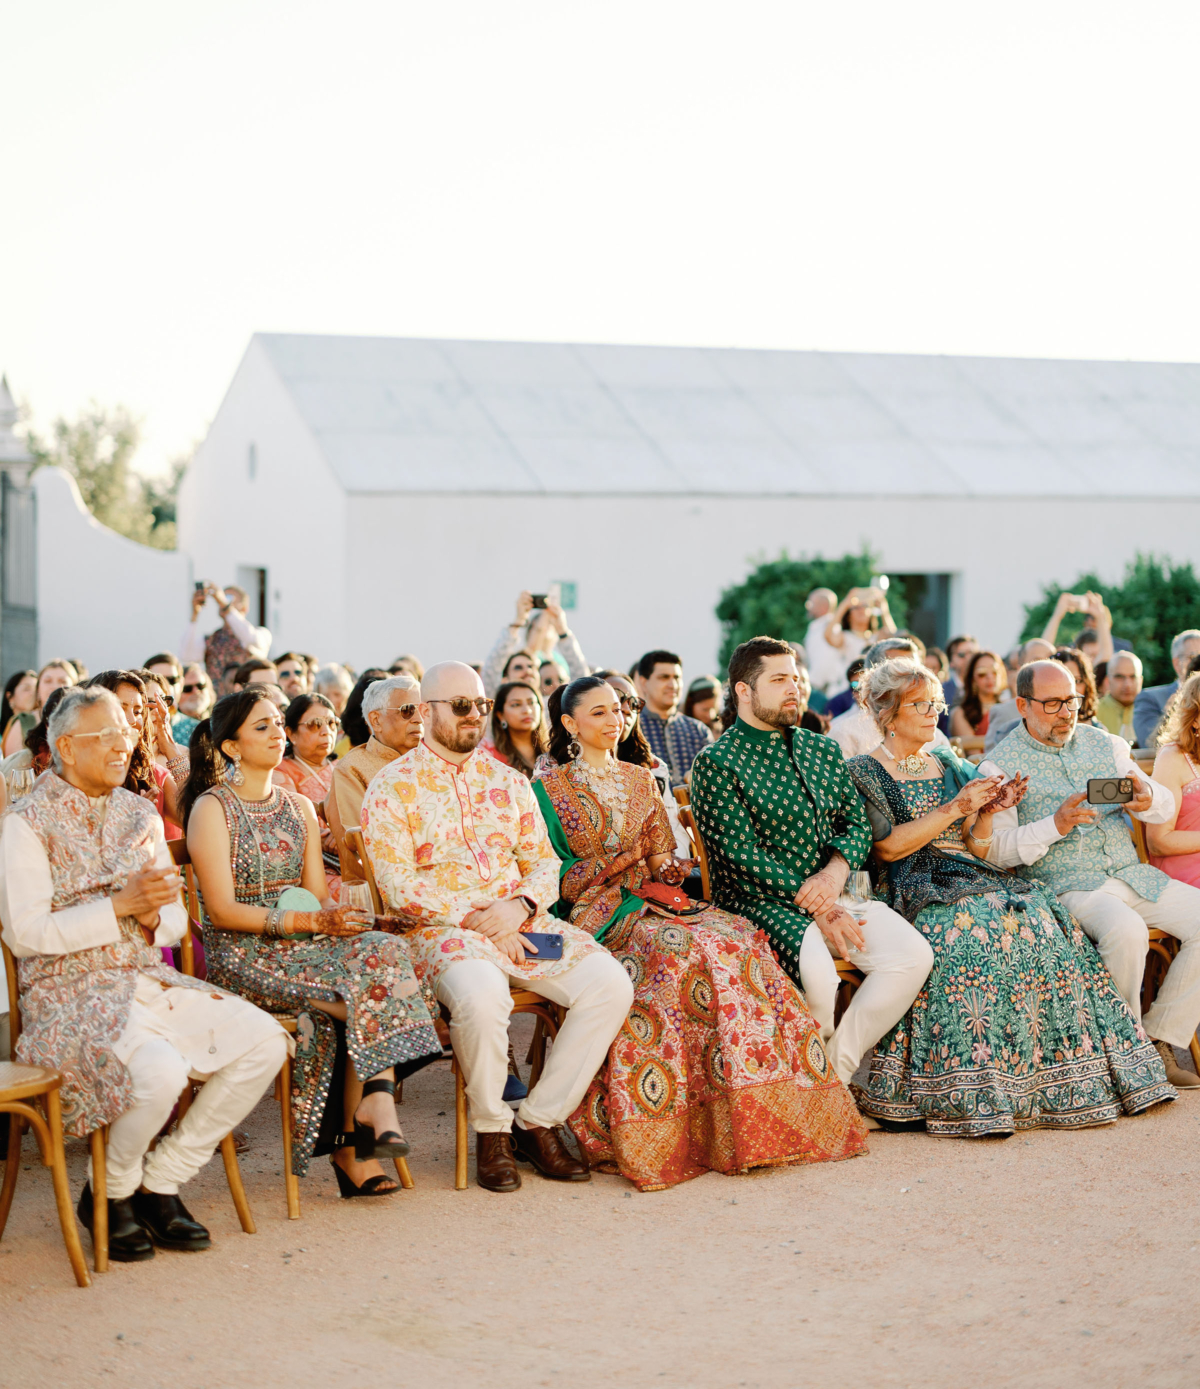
597 994
1117 919
159 1074
896 962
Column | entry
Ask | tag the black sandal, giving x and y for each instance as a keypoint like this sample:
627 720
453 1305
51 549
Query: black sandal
373 1186
368 1144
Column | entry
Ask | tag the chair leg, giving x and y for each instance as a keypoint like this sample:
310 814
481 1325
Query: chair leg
233 1175
1194 1048
62 1191
460 1128
99 1200
291 1183
404 1174
12 1166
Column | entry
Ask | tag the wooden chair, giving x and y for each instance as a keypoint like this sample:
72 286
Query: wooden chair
21 1090
549 1018
1163 947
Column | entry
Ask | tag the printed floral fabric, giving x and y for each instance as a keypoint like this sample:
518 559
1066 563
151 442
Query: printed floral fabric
719 1065
1019 1025
387 1021
444 839
75 1007
772 809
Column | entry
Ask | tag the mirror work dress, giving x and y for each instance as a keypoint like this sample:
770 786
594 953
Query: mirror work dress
1019 1025
719 1065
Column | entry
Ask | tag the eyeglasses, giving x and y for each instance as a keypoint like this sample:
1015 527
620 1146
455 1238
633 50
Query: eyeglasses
111 737
926 706
322 723
1055 706
191 689
463 706
406 711
631 703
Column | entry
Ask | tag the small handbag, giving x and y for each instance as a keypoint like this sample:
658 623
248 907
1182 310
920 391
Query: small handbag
667 900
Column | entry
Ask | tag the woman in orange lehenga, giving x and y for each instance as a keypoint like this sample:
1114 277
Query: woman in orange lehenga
719 1066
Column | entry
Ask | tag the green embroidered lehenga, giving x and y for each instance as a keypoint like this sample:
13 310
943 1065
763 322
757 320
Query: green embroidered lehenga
1019 1025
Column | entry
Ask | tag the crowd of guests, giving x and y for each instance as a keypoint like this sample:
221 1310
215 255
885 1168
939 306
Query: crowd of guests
921 814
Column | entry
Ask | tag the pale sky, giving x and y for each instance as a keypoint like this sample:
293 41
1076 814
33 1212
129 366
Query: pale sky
1007 179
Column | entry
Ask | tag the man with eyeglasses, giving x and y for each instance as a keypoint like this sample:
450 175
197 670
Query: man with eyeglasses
457 841
1085 855
88 898
391 709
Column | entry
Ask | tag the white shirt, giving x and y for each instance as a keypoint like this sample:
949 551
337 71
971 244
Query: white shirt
256 640
826 667
856 732
1014 843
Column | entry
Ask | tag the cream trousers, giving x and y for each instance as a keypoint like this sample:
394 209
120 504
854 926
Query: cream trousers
896 961
597 994
1117 919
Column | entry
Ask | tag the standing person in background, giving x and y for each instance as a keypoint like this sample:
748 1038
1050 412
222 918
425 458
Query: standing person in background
56 674
826 667
540 632
517 735
1115 710
703 702
984 683
20 699
294 676
236 640
194 703
1150 705
1097 624
673 737
860 619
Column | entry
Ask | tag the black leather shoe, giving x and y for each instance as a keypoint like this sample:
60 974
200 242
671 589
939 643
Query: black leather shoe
168 1222
128 1243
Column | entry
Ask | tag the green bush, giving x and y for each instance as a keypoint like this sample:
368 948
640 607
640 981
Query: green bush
1155 600
770 600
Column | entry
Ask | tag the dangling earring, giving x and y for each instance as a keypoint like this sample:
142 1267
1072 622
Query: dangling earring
233 772
573 749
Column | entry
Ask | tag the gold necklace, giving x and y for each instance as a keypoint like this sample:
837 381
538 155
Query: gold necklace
912 765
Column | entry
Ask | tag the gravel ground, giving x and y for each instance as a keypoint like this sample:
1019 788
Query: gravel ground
1052 1259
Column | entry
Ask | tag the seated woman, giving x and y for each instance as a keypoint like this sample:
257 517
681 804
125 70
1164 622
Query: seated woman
719 1066
984 683
703 702
1175 846
312 729
517 734
1019 1025
145 776
250 841
54 675
20 697
1085 682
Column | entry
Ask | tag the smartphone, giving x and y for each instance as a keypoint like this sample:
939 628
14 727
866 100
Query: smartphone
199 585
549 945
1109 790
539 600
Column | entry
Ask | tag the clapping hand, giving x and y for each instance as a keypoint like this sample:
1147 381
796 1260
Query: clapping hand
1012 793
976 794
673 870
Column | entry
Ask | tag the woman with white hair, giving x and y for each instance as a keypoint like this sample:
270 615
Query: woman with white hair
1019 1024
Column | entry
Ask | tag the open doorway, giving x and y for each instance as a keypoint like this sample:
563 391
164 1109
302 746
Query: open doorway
928 599
254 581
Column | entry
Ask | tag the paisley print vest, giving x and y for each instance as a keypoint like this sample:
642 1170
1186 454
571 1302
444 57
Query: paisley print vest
1082 860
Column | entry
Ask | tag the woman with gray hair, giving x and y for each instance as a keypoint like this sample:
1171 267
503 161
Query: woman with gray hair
1019 1024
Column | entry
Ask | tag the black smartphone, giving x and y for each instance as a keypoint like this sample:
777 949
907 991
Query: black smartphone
539 600
1109 790
199 585
549 945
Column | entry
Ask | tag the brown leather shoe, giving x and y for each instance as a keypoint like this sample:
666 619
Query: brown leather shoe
548 1154
495 1169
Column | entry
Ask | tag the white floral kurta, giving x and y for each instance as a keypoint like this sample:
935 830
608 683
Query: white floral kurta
445 840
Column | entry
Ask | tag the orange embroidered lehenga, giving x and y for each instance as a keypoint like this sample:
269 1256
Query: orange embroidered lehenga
719 1066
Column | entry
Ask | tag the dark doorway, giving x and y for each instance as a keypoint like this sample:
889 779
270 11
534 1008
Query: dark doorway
928 599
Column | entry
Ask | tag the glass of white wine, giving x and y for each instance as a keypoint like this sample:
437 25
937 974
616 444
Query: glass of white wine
857 893
18 783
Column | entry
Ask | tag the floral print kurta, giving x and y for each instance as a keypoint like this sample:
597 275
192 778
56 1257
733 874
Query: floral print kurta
719 1066
445 839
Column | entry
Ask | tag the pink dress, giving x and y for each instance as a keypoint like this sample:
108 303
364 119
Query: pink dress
1185 867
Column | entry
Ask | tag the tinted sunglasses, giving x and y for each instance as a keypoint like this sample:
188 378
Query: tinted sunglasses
191 689
406 711
463 706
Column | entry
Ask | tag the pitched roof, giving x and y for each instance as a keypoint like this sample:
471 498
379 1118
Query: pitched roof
415 415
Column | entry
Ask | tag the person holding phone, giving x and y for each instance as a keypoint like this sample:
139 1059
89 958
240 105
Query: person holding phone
1019 1025
859 620
705 983
539 632
459 845
1083 853
234 642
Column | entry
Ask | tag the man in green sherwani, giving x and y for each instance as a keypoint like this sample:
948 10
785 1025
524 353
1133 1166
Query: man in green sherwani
783 825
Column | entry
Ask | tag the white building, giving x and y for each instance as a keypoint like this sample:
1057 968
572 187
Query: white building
395 495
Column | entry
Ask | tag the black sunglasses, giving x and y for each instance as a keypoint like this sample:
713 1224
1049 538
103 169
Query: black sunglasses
462 706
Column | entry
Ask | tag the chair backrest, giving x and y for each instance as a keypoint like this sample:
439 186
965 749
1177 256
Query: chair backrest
14 1001
688 821
191 904
357 850
1137 832
683 795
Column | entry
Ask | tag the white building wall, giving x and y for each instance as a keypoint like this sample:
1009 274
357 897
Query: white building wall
101 597
289 518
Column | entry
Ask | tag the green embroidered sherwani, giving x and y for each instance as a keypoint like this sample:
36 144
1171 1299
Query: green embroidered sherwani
772 809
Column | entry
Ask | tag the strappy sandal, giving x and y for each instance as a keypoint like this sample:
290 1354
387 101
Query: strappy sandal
373 1186
368 1144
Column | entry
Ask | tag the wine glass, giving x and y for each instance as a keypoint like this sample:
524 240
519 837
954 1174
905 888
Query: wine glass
18 783
358 896
857 893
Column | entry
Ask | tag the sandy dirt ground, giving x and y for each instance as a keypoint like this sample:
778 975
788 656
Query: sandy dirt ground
1046 1260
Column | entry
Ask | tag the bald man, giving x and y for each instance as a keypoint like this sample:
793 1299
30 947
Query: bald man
457 841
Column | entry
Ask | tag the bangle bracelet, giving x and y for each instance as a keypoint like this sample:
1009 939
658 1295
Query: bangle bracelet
975 839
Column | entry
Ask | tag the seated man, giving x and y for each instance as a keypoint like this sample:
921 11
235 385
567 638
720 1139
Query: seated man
87 895
1115 710
1084 853
783 825
390 708
673 737
1004 717
457 840
1150 705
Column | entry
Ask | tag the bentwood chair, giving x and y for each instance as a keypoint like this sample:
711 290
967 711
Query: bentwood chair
1163 947
549 1019
24 1091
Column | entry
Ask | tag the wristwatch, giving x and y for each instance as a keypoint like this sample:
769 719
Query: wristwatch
530 903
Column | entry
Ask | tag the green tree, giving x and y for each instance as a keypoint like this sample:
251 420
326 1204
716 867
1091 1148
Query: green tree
770 600
97 449
1155 600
